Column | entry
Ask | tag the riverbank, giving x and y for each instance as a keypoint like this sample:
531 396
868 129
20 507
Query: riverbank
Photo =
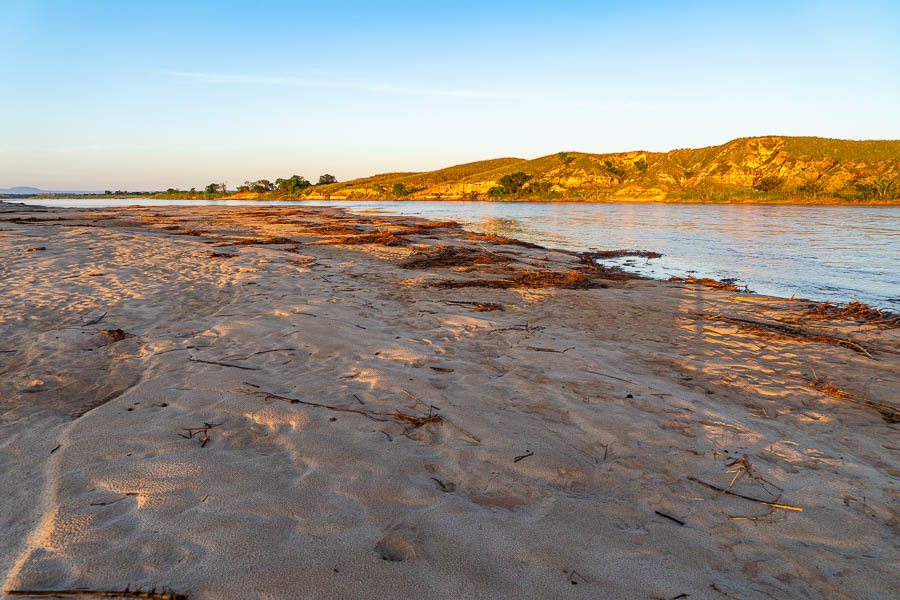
273 401
792 200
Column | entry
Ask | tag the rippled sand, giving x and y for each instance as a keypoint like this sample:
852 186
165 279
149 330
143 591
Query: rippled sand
554 448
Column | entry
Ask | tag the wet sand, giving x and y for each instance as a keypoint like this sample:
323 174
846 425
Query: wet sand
429 414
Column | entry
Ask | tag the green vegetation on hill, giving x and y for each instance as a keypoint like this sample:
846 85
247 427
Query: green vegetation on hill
770 169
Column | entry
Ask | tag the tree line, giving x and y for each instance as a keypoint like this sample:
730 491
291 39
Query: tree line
292 185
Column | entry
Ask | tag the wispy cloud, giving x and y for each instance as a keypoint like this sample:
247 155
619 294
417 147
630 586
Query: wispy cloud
562 101
78 149
383 88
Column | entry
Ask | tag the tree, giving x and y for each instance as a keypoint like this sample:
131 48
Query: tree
512 183
400 190
885 188
767 184
259 186
212 188
293 185
613 169
640 165
326 179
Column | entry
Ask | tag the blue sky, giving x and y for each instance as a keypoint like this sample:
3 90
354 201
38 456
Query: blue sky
107 95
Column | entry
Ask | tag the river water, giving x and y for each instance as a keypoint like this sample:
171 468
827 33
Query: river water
834 253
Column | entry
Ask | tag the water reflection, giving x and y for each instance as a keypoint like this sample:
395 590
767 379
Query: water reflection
821 252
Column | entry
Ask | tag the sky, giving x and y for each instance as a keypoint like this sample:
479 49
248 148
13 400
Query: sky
153 95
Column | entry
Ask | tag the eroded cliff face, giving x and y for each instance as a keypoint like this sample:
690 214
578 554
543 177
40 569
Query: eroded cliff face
806 166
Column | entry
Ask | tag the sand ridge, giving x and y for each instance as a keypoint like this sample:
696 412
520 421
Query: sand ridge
575 422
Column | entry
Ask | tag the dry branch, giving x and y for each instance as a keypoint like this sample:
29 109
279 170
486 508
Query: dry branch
411 420
890 413
736 495
758 327
221 364
204 431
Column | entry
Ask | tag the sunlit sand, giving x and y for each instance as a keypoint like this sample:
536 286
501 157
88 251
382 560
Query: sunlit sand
286 402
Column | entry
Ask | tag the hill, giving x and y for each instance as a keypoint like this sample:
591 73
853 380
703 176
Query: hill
756 169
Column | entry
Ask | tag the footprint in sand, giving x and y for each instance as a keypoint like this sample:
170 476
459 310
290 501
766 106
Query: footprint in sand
397 548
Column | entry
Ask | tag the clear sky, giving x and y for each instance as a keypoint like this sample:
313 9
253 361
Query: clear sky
151 95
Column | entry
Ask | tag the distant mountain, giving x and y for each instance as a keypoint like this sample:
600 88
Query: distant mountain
764 169
37 191
21 190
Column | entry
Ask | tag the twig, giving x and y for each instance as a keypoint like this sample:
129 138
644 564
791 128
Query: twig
821 384
192 431
129 494
726 594
669 517
611 377
523 456
413 420
736 495
237 356
177 349
537 349
221 364
96 320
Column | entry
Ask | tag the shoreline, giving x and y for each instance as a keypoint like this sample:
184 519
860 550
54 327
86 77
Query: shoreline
401 407
542 200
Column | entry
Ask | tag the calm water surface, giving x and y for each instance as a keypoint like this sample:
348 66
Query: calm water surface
834 253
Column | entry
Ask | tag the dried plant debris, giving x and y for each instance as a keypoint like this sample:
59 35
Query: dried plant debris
736 495
151 594
568 280
332 229
114 335
411 420
493 238
706 281
384 238
262 241
891 414
479 306
451 256
785 332
856 311
589 257
202 432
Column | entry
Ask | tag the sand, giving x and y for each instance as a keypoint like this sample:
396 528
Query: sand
551 449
